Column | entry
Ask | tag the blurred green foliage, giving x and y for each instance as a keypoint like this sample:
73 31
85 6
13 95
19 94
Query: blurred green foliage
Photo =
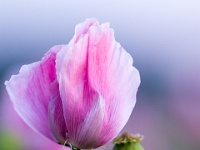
9 141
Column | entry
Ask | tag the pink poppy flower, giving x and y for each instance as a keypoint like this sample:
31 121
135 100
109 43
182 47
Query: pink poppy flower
81 94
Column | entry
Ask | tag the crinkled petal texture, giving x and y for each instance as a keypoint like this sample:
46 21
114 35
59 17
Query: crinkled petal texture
34 93
97 84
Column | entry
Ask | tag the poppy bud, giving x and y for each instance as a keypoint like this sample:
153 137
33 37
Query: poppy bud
128 142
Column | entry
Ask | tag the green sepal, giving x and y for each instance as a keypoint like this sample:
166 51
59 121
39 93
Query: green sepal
128 146
128 142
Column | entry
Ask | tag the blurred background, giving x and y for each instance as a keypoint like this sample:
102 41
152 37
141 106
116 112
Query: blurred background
163 36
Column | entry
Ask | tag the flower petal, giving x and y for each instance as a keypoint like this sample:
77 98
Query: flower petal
82 29
97 82
110 72
90 129
79 100
56 118
29 91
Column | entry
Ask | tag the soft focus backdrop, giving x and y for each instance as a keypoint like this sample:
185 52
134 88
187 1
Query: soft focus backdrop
163 36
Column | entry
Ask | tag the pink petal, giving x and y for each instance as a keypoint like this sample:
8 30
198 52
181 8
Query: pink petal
76 94
30 92
98 86
56 118
82 29
110 72
27 138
